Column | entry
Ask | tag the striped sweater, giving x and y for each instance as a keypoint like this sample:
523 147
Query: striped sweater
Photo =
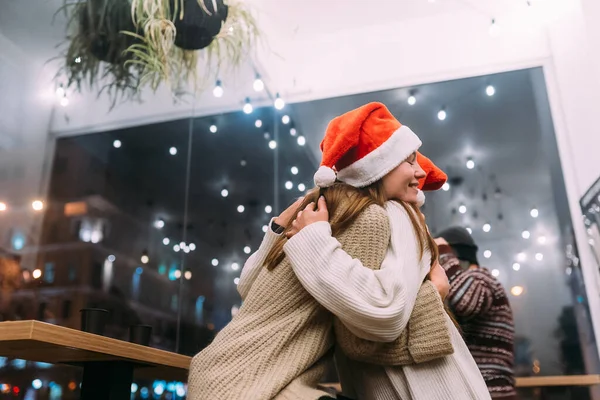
483 311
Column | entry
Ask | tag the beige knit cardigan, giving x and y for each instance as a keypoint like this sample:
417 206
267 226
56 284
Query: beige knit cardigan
277 344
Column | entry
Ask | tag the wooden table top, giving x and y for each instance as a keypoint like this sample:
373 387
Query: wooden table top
39 341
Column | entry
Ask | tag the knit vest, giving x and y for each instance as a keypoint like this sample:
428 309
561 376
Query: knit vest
275 346
426 337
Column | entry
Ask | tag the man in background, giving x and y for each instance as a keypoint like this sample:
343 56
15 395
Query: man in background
481 307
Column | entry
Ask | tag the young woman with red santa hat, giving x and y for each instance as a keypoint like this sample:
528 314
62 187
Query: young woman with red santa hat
369 148
277 344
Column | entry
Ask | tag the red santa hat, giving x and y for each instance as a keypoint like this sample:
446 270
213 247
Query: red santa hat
363 145
434 178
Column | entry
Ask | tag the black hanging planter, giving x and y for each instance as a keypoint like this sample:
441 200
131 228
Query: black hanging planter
196 30
102 22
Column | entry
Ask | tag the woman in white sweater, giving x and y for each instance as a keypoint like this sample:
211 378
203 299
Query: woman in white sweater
360 148
277 344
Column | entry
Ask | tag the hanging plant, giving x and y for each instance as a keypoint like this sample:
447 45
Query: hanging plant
96 51
200 24
182 36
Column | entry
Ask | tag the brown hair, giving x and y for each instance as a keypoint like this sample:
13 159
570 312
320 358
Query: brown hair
355 200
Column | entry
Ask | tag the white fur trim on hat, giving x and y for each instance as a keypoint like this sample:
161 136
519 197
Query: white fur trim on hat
382 160
420 198
324 177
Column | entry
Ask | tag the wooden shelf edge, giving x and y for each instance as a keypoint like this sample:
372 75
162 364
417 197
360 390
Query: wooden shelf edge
526 382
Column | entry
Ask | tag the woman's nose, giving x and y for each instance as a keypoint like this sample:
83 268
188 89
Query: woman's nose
419 173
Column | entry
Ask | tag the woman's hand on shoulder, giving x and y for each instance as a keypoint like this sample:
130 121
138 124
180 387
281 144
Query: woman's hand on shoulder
284 218
309 216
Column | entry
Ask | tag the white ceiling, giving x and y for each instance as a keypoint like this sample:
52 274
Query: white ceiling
37 30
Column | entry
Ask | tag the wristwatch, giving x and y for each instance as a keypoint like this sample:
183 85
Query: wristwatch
278 229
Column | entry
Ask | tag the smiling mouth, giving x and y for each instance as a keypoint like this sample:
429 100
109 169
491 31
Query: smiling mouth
414 185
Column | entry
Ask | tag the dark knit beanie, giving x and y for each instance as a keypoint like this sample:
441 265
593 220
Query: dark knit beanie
461 242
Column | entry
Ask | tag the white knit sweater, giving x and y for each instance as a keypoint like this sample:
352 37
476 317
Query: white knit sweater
376 305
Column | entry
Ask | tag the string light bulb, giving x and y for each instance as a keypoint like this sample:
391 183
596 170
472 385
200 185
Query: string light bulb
248 106
258 123
294 170
487 254
37 205
289 185
495 272
279 103
258 84
144 258
173 151
224 193
542 240
487 227
3 206
213 128
494 30
117 144
159 223
490 90
446 187
188 275
525 234
301 187
241 209
412 100
301 140
272 144
293 131
516 266
218 90
268 209
247 249
166 241
442 114
539 256
534 213
517 290
214 262
285 119
470 163
235 266
462 209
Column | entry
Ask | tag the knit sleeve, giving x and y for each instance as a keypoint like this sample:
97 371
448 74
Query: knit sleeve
470 293
373 304
254 263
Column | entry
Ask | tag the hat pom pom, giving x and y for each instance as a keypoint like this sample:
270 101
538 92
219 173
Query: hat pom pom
420 198
325 177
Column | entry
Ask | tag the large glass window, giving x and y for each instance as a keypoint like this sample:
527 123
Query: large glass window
155 222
